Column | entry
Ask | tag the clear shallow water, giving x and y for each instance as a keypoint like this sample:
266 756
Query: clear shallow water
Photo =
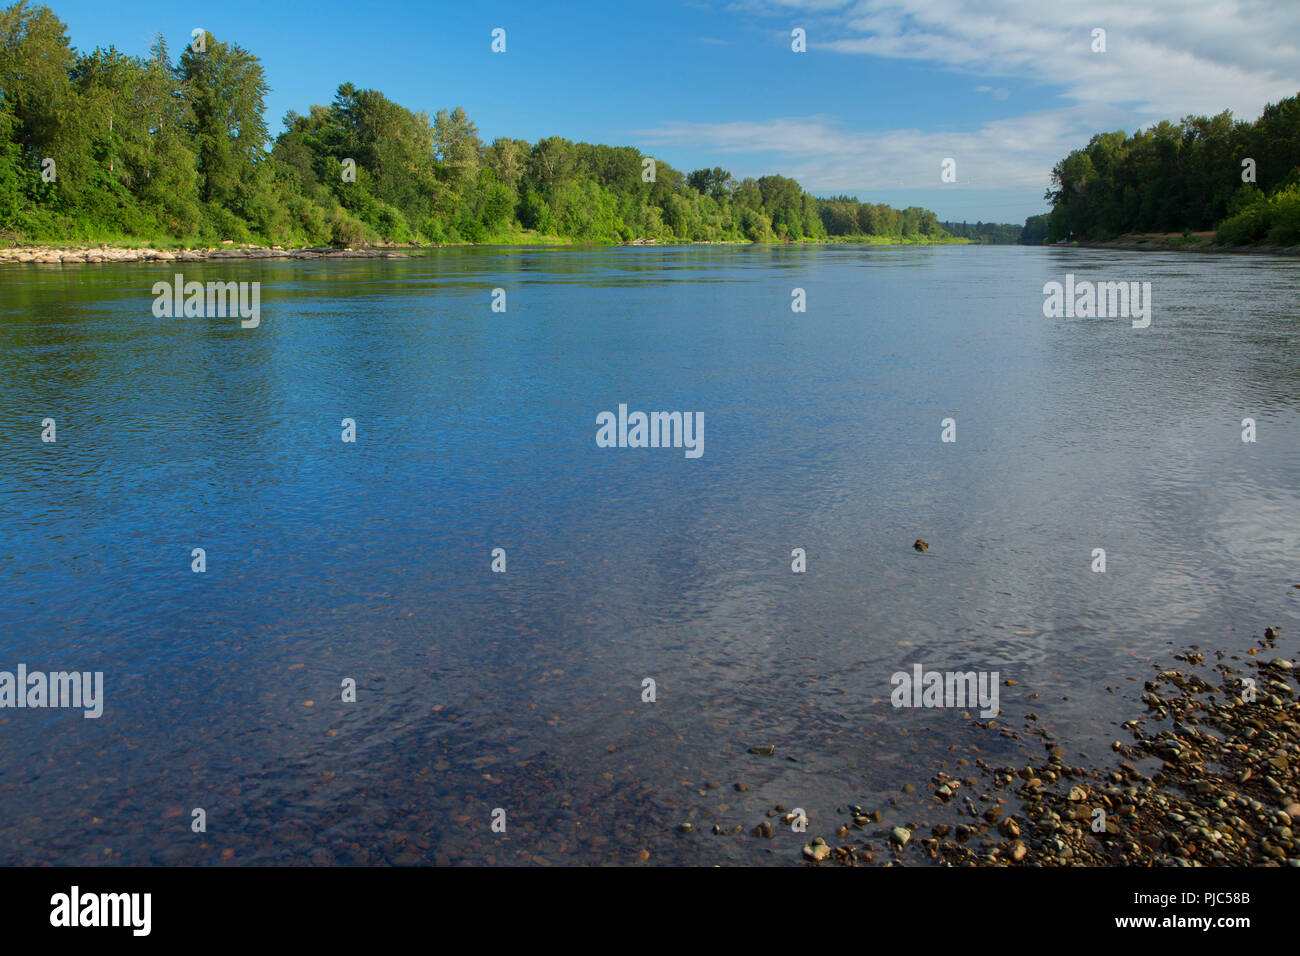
476 430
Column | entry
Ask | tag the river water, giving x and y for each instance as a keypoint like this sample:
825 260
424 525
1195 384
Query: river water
372 561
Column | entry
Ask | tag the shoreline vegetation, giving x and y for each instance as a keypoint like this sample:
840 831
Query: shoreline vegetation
1234 180
164 150
174 151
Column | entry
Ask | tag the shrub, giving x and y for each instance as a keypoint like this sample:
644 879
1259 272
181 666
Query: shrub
1284 225
345 230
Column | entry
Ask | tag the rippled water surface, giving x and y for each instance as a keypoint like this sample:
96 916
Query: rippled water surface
475 431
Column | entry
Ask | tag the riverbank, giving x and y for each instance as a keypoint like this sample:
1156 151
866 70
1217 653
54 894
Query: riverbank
1178 242
58 255
54 255
1211 777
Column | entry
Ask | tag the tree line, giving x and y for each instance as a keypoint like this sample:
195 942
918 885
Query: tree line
102 144
1239 178
1032 233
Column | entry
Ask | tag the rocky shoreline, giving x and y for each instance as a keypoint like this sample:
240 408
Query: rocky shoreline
43 255
52 255
1221 786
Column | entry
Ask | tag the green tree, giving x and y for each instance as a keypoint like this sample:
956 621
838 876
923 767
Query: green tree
456 142
225 88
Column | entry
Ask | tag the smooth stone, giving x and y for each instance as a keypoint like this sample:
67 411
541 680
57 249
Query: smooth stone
817 851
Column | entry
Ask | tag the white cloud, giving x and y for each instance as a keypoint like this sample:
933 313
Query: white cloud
1014 153
1164 59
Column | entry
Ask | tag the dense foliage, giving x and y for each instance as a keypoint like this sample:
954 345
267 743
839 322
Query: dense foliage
104 145
1186 177
846 216
988 233
1034 232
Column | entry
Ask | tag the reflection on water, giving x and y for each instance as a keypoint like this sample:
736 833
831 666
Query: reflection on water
476 431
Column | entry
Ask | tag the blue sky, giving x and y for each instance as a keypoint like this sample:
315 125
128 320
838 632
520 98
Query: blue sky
885 92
